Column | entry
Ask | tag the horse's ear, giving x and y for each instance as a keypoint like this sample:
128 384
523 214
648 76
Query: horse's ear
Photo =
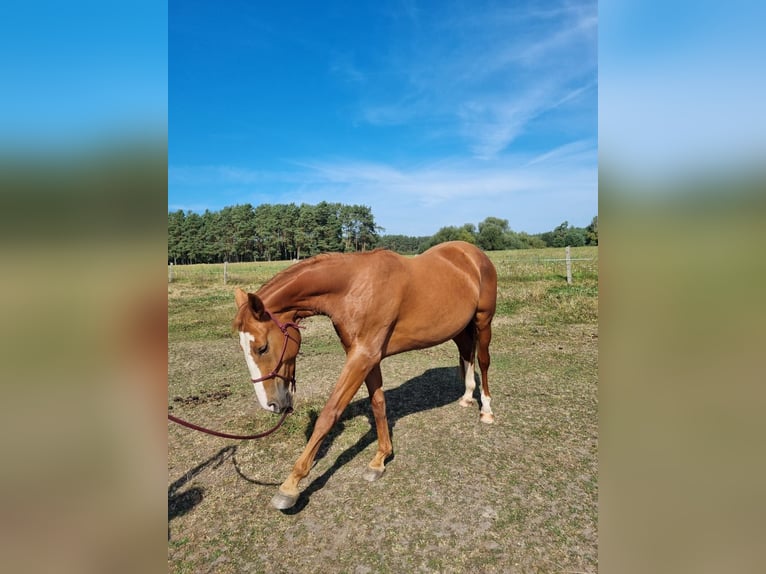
240 297
253 302
257 306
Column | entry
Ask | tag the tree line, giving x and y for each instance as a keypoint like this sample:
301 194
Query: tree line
269 232
494 234
289 231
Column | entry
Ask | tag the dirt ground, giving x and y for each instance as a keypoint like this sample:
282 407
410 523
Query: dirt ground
457 496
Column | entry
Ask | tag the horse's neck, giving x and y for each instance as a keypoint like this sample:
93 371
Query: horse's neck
307 290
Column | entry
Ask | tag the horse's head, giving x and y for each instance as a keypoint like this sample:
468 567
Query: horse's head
270 348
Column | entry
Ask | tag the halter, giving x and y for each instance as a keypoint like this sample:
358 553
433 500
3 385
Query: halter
274 374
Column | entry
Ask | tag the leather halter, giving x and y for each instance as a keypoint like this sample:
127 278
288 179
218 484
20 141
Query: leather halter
274 374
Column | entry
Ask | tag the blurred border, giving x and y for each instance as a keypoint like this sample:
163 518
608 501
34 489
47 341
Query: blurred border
682 205
83 309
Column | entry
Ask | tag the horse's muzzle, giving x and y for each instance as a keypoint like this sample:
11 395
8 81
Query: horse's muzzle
276 408
282 402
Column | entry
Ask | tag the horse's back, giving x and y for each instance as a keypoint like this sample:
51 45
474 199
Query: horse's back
445 288
462 258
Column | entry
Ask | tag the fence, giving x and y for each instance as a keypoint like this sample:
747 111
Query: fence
567 260
258 272
172 272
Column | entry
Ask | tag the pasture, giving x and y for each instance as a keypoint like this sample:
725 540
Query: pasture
458 495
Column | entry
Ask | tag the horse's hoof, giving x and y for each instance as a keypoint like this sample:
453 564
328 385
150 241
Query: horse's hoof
488 418
466 402
282 501
372 474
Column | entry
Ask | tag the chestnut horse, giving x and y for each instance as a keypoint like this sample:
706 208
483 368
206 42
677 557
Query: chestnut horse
381 304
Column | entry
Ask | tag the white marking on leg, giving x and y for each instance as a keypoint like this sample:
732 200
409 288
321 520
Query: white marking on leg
245 340
486 415
485 402
470 384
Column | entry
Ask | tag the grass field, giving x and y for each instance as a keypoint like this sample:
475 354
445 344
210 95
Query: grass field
458 496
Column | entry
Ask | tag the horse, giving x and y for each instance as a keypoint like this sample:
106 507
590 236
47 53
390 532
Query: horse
381 304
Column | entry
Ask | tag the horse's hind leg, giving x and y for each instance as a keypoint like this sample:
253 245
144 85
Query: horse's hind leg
484 332
377 466
466 344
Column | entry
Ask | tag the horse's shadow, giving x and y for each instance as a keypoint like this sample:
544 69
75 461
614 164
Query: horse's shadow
182 501
435 388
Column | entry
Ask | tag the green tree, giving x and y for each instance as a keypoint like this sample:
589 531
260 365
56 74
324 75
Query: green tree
282 231
222 237
404 244
564 235
574 237
329 235
559 235
367 230
361 225
493 233
191 244
266 237
451 233
530 241
305 235
288 217
243 220
555 238
176 221
591 232
513 240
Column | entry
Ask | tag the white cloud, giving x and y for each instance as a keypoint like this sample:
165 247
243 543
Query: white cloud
344 67
534 193
482 77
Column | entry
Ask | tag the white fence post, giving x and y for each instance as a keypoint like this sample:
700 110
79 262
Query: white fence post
225 275
170 272
569 266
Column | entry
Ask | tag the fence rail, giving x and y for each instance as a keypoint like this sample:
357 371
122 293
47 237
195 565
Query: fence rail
227 273
571 259
568 259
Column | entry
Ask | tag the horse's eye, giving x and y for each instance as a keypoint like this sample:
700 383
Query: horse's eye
262 350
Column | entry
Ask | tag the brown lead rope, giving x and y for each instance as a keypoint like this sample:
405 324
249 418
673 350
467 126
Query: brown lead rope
272 375
227 435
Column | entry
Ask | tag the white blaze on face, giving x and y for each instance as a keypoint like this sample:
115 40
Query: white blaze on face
245 341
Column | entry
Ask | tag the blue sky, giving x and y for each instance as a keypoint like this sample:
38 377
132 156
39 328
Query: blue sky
78 73
682 94
432 113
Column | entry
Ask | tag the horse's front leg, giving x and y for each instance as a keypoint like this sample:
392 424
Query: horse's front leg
354 372
378 401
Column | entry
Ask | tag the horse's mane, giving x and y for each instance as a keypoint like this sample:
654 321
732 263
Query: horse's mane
301 266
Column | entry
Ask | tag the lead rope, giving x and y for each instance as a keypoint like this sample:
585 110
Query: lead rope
227 435
282 327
